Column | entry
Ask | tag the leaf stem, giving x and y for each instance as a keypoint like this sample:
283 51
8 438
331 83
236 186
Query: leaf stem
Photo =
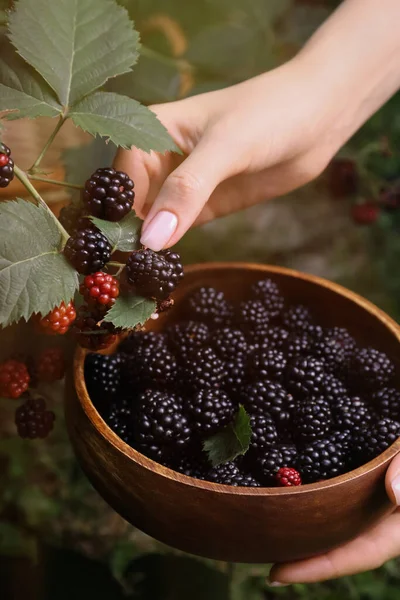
47 145
23 178
74 186
178 63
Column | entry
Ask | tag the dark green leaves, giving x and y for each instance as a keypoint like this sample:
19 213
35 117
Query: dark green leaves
76 45
130 311
122 120
233 441
34 275
123 235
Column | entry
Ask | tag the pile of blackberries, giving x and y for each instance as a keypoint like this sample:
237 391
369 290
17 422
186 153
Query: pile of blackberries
319 404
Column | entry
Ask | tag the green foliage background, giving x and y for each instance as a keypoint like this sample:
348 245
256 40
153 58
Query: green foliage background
45 501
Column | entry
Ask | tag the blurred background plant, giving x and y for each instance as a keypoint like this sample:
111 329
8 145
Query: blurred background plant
57 537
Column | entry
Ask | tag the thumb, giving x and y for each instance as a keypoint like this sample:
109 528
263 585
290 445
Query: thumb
184 194
393 481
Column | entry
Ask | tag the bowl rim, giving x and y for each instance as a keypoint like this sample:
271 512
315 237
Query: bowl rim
112 438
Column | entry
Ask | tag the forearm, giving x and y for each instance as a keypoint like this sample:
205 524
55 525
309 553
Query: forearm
354 62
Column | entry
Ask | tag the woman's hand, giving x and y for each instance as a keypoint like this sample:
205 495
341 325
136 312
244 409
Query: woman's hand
369 551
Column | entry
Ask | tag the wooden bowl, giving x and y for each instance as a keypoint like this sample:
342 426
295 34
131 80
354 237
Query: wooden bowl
240 524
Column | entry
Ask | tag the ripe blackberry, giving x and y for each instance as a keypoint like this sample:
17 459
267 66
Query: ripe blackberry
100 290
14 378
264 433
268 292
50 364
228 343
158 421
88 251
268 465
141 339
209 305
269 397
33 420
341 337
192 463
288 477
231 474
186 336
386 402
69 217
235 375
333 390
89 333
103 376
267 364
297 344
270 337
154 274
109 194
297 318
331 353
305 376
209 411
59 320
289 454
322 460
313 420
351 413
252 314
6 166
374 440
119 416
151 366
202 369
369 368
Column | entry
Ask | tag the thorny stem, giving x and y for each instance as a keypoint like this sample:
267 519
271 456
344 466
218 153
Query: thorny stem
23 178
47 145
74 186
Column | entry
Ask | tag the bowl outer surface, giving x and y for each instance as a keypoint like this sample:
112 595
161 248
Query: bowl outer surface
239 524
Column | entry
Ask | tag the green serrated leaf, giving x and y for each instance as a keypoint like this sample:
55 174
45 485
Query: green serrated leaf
81 161
233 441
34 275
76 45
122 120
23 93
123 235
130 311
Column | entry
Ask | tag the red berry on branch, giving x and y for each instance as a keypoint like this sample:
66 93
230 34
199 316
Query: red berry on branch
59 320
288 477
33 420
365 214
51 364
14 378
342 176
4 160
100 290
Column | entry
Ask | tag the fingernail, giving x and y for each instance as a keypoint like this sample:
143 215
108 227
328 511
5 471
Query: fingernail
159 231
276 583
396 488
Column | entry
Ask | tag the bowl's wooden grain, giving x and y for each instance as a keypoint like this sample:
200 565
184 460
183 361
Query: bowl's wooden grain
240 524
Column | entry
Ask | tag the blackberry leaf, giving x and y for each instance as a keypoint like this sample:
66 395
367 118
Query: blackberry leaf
31 262
230 443
123 121
123 235
130 311
74 64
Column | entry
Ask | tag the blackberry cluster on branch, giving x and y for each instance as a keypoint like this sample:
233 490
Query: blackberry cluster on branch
108 194
88 251
33 420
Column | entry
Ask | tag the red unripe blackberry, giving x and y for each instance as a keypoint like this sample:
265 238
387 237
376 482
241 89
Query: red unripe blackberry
202 369
288 477
6 166
154 274
33 420
88 251
209 411
50 364
100 290
59 320
14 378
268 292
109 194
209 305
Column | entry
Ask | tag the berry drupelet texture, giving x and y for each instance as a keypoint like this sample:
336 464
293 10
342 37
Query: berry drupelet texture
14 378
334 390
322 460
70 216
289 454
231 474
209 305
305 376
252 314
313 420
118 416
228 343
374 440
288 477
267 396
154 274
386 402
137 340
50 364
296 344
267 465
108 194
6 166
235 374
88 251
297 318
264 433
369 368
59 320
151 366
202 369
186 336
103 376
351 413
328 350
267 365
33 420
268 292
209 411
100 290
